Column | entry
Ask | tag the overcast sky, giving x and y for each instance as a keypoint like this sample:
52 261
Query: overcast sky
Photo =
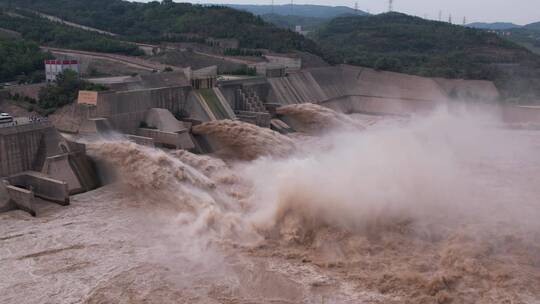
517 11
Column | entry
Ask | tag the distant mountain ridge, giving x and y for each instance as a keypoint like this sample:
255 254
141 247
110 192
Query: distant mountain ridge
533 26
494 25
302 10
290 22
411 45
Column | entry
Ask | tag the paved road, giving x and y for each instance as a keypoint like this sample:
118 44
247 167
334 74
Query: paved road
128 60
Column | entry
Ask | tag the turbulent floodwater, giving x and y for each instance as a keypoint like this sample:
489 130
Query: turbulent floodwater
442 209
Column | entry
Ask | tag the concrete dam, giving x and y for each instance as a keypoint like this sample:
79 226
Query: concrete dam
386 207
36 161
357 89
195 97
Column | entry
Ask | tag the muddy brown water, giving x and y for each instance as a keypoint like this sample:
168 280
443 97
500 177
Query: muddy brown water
441 211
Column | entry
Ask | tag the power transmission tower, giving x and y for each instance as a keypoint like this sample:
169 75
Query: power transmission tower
390 5
450 18
440 15
292 7
272 6
356 7
464 20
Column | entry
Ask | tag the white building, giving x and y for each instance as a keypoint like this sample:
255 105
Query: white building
55 67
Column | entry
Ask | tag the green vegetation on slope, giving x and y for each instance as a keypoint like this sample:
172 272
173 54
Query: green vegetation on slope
533 26
299 10
493 26
524 36
21 60
412 45
45 32
64 91
169 21
290 22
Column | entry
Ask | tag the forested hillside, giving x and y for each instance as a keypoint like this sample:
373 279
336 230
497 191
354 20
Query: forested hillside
524 36
290 22
21 60
533 26
300 10
494 25
412 45
45 32
169 21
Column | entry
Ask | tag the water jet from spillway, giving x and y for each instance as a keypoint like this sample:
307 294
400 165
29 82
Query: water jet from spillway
240 140
315 119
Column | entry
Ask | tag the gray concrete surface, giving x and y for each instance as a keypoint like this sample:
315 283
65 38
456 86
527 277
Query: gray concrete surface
42 185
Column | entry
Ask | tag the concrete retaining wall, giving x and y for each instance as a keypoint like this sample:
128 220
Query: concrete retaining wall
141 140
22 199
296 88
43 186
25 147
95 126
516 114
359 89
181 140
5 200
59 168
381 106
126 110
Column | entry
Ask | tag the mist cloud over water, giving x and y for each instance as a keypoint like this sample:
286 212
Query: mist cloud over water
448 204
426 172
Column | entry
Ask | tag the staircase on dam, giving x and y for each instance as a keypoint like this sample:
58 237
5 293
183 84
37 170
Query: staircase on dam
249 101
250 108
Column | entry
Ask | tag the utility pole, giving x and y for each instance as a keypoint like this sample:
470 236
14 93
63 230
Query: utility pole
292 7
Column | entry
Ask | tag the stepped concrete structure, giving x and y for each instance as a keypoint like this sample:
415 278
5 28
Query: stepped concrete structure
356 89
36 161
166 131
246 96
142 106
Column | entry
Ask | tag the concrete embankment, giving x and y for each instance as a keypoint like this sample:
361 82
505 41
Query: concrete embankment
355 89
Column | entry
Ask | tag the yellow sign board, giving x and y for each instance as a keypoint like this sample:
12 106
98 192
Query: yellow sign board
88 97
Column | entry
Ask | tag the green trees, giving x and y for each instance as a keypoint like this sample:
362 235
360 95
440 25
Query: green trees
169 21
22 61
64 91
407 44
244 70
49 33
